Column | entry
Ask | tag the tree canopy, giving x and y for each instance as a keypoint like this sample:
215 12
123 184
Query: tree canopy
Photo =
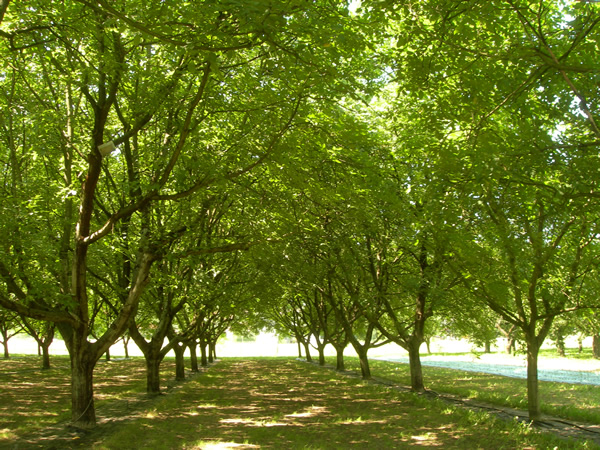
356 172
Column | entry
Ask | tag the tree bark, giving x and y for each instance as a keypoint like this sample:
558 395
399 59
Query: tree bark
212 351
5 345
193 357
339 359
45 356
153 375
307 351
126 347
83 413
596 346
416 370
321 350
179 349
533 400
365 369
203 354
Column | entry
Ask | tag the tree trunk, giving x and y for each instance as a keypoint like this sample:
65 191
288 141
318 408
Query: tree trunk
203 354
487 347
307 351
560 345
510 345
339 359
299 348
125 347
416 370
321 350
5 345
365 369
193 357
83 413
153 375
533 400
107 354
212 352
179 349
596 346
45 356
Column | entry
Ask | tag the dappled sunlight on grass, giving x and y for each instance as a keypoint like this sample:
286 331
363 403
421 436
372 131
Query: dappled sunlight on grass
209 445
255 403
290 404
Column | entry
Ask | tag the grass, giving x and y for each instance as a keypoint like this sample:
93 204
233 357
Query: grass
577 402
246 403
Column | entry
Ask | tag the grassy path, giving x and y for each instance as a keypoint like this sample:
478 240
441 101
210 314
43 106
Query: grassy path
283 403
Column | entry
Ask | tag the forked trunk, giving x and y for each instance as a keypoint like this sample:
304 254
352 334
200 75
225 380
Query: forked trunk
126 347
533 400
